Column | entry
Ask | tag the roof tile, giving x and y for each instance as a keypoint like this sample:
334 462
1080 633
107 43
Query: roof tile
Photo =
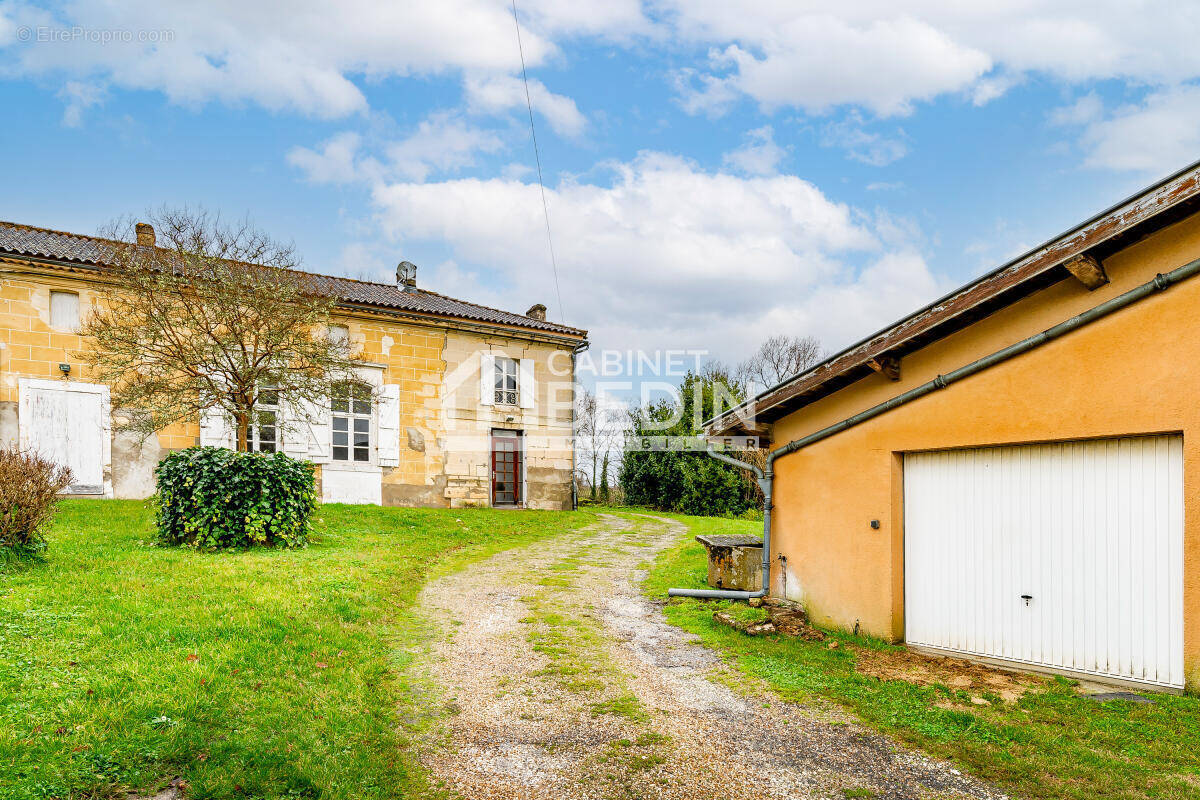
92 251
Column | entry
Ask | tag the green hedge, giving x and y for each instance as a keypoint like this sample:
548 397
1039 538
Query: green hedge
212 498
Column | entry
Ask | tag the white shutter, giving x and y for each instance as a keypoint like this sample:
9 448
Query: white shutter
528 384
294 429
216 429
487 379
389 425
318 423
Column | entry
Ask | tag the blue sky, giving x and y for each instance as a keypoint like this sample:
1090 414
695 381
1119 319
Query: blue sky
716 172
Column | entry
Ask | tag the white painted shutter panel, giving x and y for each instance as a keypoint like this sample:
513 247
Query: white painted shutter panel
528 384
389 425
319 424
216 429
1065 555
487 379
294 430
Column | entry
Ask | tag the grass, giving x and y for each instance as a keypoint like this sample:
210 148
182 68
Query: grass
1049 744
248 674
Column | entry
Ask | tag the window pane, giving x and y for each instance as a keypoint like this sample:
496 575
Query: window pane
341 424
268 397
362 454
341 454
341 406
362 440
341 437
362 406
362 425
267 447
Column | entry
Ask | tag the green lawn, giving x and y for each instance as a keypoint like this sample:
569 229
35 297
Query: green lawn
1049 744
251 674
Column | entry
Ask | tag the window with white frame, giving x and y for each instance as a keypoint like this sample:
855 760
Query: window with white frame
64 311
508 390
351 407
263 436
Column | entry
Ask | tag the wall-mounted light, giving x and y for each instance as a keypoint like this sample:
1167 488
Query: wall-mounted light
874 524
65 369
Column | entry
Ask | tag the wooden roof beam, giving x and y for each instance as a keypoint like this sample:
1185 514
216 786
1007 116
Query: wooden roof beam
1087 270
886 365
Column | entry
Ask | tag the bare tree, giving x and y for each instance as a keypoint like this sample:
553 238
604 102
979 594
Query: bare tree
597 431
778 358
198 314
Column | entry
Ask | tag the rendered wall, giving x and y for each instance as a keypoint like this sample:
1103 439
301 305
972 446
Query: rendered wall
1133 372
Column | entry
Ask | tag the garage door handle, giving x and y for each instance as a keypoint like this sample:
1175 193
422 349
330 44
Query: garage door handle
1026 598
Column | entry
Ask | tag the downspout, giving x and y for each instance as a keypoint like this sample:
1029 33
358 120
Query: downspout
575 351
1159 283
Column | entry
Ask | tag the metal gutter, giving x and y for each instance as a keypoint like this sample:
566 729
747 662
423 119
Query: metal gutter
1161 282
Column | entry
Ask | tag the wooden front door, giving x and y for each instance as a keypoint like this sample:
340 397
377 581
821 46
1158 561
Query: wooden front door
506 468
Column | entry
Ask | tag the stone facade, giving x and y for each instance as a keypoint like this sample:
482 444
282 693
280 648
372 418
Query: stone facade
432 363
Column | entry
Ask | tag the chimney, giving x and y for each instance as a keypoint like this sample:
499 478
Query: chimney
145 234
406 276
537 312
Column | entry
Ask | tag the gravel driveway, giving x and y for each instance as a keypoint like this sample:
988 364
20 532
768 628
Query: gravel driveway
563 682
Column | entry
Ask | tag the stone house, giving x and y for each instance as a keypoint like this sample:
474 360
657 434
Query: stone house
469 405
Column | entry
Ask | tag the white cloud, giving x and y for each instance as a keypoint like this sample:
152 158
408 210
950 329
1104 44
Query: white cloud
1086 109
862 145
304 60
497 93
79 97
667 253
442 143
1158 135
335 162
817 63
870 55
759 155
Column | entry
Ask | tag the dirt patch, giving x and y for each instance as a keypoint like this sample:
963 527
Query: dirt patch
980 681
973 683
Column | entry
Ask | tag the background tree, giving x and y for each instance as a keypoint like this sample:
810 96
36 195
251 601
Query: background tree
597 432
688 481
604 495
779 358
199 314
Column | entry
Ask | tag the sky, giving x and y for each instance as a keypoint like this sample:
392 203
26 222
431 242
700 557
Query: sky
715 172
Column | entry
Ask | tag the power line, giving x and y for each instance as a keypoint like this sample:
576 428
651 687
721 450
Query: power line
562 314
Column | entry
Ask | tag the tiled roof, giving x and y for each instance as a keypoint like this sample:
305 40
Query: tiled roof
93 252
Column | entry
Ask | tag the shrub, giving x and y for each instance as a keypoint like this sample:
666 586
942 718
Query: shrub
29 491
212 498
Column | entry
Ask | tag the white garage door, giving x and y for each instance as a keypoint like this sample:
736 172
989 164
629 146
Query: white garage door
68 423
1068 556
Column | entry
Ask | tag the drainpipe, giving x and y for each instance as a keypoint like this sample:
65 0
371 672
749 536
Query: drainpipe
1160 283
575 351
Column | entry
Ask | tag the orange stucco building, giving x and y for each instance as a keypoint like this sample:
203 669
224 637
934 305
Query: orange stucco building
1039 511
